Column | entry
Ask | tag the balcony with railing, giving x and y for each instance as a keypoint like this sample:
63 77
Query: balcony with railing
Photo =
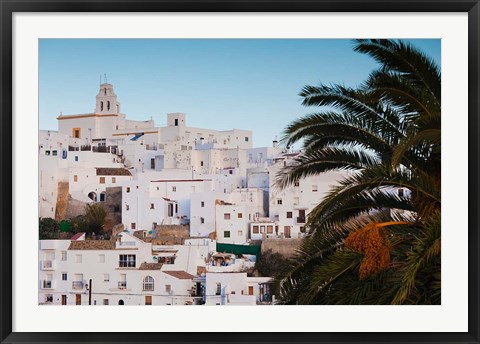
153 147
126 243
47 284
77 285
101 149
301 220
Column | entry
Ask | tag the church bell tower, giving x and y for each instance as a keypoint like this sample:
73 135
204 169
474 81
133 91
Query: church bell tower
106 101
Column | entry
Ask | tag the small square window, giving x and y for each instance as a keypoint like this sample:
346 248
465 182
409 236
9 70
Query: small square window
64 255
114 180
76 158
297 183
101 258
314 188
289 215
202 204
240 233
168 288
128 189
64 276
105 302
174 189
226 216
152 206
202 220
201 163
246 138
226 234
133 225
279 201
102 180
54 153
106 277
75 178
240 215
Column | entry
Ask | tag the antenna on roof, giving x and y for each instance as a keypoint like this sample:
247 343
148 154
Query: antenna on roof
105 77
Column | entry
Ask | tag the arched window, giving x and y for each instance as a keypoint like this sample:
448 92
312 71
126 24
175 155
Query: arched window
105 90
93 196
108 106
101 106
148 283
120 302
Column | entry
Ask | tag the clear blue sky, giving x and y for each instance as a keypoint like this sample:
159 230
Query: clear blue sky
221 84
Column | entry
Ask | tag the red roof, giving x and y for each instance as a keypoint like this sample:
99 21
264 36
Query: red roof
179 274
77 236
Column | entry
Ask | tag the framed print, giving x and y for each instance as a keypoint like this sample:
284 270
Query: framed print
267 170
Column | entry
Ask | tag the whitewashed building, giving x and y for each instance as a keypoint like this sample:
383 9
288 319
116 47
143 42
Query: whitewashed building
122 272
233 217
53 169
132 271
235 288
290 207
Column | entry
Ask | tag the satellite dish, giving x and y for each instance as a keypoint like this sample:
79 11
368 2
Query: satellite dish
127 163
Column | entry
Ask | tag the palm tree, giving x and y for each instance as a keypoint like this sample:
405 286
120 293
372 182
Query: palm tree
368 244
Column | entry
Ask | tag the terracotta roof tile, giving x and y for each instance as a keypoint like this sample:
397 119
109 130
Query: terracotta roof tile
150 266
179 274
110 171
92 245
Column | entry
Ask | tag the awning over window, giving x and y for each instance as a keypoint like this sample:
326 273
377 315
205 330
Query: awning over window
239 249
137 135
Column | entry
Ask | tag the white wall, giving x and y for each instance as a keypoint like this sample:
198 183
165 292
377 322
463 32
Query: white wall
95 264
234 288
295 199
202 206
236 228
88 181
137 200
51 171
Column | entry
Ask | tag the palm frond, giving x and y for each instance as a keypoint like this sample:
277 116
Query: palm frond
402 57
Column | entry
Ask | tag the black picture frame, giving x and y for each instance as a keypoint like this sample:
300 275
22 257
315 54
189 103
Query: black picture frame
8 7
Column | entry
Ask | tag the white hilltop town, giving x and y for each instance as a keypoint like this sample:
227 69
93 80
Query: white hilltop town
189 210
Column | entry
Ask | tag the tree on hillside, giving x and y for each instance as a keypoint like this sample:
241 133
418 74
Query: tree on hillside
48 228
94 217
272 264
370 243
